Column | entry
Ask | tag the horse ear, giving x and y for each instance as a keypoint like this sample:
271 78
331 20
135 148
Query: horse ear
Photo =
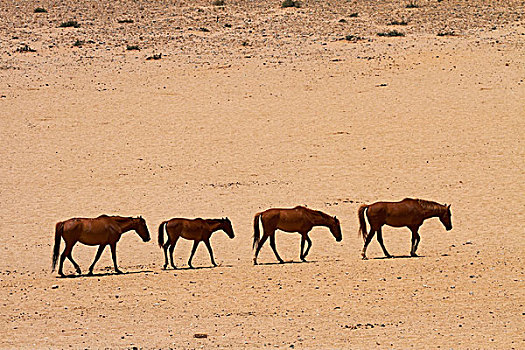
449 206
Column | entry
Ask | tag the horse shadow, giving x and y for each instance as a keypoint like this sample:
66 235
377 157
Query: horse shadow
288 262
103 274
187 268
397 257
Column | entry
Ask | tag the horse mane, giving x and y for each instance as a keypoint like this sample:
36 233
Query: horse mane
428 205
316 212
117 218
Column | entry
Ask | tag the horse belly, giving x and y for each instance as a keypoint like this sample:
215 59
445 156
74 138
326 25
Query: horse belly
292 225
400 218
90 238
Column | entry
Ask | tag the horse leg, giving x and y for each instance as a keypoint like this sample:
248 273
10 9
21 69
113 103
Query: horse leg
70 257
195 245
113 247
65 253
165 249
309 241
415 240
172 248
380 240
97 256
208 245
303 239
367 242
272 244
259 246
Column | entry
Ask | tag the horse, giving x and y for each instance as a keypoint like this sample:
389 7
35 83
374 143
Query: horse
409 212
197 230
102 231
298 219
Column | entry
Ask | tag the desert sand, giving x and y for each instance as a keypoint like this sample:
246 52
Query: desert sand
253 106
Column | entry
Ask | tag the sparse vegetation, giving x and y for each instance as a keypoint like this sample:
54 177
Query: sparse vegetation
290 3
25 48
398 23
78 43
132 47
154 57
125 21
353 38
69 24
447 33
391 33
218 3
205 30
412 4
40 10
353 15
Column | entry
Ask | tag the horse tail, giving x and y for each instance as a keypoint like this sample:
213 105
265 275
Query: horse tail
256 232
59 230
161 234
362 222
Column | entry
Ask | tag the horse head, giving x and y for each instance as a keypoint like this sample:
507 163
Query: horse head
227 227
335 228
142 229
446 218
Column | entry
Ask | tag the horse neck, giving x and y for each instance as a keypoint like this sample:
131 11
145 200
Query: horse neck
126 224
215 225
434 212
319 219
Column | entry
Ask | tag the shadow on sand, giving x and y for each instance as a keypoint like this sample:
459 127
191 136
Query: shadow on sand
288 262
102 274
196 268
397 257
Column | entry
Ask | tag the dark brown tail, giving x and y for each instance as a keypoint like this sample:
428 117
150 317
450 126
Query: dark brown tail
161 234
59 230
362 222
256 232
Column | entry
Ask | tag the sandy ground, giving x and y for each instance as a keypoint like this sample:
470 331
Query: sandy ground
253 106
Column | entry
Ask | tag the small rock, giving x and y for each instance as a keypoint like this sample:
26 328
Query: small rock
54 286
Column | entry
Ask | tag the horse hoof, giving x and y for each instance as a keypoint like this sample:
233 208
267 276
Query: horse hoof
119 272
388 256
90 273
414 255
281 261
365 258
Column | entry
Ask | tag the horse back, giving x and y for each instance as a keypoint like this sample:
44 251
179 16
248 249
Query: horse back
193 229
91 231
287 219
397 214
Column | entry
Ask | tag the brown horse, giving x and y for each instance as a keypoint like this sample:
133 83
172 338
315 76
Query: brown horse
408 212
197 230
298 219
99 231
